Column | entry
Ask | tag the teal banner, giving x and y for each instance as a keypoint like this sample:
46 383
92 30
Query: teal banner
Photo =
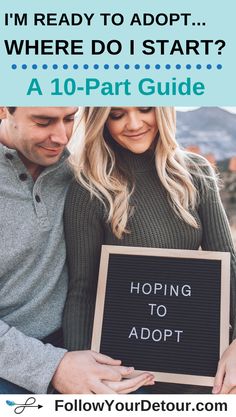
164 52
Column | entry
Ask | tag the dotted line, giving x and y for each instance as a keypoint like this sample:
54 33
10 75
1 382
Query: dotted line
117 66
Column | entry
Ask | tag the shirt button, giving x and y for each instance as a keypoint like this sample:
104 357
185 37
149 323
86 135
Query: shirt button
37 198
23 176
9 156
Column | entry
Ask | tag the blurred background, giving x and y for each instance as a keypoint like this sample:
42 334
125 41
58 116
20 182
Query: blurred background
211 132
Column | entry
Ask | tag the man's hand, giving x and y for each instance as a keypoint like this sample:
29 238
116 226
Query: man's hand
83 372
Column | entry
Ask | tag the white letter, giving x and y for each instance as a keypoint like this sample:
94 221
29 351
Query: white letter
160 335
178 334
149 288
133 333
186 290
167 333
164 311
157 287
152 305
148 333
132 287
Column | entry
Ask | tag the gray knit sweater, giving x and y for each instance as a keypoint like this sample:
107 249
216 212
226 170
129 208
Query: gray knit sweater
33 274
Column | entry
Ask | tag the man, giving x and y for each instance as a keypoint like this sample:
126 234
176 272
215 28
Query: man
34 179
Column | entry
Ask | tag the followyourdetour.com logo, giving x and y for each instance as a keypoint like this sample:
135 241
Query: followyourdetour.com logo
78 405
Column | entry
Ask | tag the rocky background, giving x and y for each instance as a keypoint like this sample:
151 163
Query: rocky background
228 194
211 131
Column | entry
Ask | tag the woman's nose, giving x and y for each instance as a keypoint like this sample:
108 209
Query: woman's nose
134 121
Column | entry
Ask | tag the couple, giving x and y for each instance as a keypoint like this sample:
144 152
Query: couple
145 192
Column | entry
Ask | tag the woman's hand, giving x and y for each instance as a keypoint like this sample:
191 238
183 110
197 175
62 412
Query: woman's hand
131 384
225 379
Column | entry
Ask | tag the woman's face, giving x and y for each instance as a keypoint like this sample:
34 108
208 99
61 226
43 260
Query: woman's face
134 128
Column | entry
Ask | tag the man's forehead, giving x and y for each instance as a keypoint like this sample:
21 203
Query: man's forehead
50 112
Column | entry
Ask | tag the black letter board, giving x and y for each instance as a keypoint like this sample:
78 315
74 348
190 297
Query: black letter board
164 311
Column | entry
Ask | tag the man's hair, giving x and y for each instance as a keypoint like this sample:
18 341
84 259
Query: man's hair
11 109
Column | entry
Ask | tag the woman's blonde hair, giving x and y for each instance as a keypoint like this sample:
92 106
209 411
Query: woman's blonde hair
94 164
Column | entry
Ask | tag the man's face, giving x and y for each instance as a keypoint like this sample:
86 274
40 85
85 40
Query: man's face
40 134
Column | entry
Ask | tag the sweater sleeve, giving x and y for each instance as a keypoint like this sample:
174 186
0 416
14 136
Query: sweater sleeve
217 235
26 361
84 231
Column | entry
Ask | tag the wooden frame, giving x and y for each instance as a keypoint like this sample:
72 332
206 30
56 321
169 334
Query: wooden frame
170 253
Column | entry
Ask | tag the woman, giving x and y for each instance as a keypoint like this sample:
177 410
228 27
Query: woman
136 187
